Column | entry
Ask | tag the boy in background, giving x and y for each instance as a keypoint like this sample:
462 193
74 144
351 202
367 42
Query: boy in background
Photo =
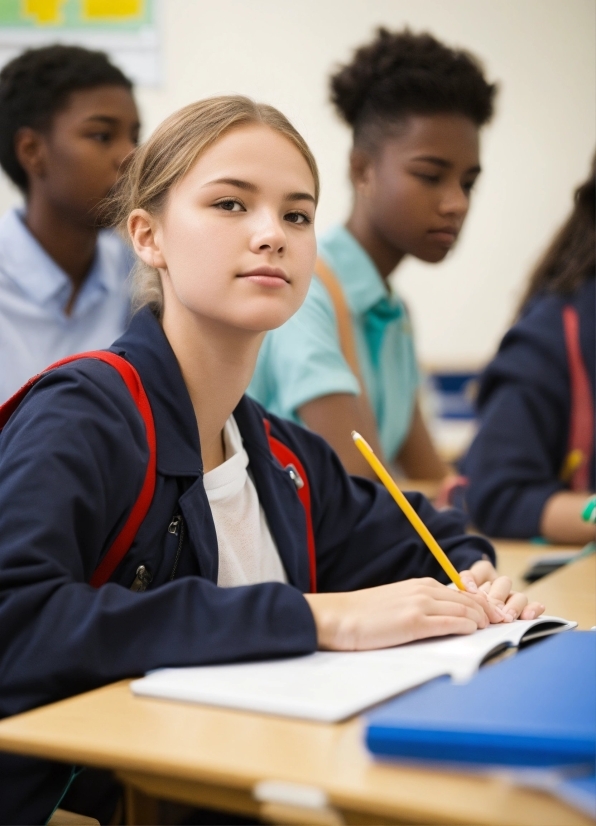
68 120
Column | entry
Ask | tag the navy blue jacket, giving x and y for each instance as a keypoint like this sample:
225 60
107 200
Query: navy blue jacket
524 404
72 460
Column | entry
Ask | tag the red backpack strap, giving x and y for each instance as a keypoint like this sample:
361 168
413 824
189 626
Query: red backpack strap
132 380
581 421
292 463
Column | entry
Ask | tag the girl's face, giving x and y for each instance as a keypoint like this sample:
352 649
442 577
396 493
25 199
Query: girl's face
416 189
235 242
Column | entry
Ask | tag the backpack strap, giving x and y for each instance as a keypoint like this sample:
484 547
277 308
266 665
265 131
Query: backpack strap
292 463
131 378
343 315
581 420
347 341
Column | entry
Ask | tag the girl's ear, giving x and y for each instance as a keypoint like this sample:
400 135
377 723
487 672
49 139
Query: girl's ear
361 165
30 150
143 231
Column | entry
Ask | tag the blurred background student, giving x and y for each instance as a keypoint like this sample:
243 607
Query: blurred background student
532 465
68 119
346 361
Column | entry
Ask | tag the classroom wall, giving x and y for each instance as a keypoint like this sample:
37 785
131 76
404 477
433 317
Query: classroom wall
537 150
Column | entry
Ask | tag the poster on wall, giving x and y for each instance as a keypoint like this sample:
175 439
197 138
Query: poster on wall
126 29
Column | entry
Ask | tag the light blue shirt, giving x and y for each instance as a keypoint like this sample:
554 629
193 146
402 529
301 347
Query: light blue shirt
302 360
34 292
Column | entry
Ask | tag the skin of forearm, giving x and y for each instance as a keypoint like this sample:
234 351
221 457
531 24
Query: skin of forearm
327 614
561 520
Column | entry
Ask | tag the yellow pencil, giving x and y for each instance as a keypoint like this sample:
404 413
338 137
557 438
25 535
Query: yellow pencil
417 523
573 460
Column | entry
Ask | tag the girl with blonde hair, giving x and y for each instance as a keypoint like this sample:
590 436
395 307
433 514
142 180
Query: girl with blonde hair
227 562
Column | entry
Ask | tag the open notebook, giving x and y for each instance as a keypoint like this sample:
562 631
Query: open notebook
330 686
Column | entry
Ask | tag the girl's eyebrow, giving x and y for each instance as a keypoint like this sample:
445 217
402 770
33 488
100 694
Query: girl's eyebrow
103 118
299 196
246 185
234 182
444 164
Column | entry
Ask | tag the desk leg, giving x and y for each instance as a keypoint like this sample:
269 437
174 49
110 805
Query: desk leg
139 808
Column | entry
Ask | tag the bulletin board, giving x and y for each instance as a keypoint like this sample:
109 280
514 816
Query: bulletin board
127 30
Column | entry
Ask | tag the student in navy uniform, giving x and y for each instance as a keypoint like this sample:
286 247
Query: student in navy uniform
415 108
67 121
219 204
532 466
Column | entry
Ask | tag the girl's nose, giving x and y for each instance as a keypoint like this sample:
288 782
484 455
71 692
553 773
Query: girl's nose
269 235
455 201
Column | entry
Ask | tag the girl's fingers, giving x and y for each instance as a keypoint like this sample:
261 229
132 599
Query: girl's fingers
494 610
531 611
515 605
457 609
467 577
483 571
500 589
440 626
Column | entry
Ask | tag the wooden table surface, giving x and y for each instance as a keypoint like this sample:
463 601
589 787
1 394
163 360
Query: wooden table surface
571 595
208 756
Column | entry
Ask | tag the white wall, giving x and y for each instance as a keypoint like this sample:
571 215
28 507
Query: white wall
537 149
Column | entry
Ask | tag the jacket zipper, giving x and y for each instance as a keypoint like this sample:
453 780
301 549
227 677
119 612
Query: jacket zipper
142 579
176 527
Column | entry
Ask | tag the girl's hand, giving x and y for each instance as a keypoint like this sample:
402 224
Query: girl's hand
393 614
494 592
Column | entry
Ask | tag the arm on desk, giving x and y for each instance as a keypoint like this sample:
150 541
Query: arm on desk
561 519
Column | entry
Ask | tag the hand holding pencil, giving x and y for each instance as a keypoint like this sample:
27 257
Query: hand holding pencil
502 605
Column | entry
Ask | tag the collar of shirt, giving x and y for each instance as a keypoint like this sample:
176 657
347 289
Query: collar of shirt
179 452
145 345
363 286
36 274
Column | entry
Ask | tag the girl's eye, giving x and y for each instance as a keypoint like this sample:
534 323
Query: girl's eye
101 137
431 179
297 218
230 205
468 187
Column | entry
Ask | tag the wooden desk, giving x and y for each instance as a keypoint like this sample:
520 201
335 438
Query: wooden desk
208 756
214 757
570 592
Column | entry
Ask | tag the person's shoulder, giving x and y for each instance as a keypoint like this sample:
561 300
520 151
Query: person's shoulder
584 297
77 396
533 349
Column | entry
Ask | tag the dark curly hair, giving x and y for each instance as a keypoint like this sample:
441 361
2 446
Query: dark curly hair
400 74
36 84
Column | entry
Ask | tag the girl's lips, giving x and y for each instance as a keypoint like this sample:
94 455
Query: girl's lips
444 237
271 277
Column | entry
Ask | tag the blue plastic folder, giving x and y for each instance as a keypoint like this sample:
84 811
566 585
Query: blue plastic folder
535 709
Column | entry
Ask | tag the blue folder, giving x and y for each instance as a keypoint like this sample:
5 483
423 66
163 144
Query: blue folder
536 708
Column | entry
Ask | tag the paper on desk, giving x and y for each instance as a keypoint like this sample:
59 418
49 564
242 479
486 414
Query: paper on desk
330 686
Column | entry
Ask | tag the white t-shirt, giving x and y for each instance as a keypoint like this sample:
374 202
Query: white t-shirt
247 552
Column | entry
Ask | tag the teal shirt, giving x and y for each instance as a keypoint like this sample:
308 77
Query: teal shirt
302 360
